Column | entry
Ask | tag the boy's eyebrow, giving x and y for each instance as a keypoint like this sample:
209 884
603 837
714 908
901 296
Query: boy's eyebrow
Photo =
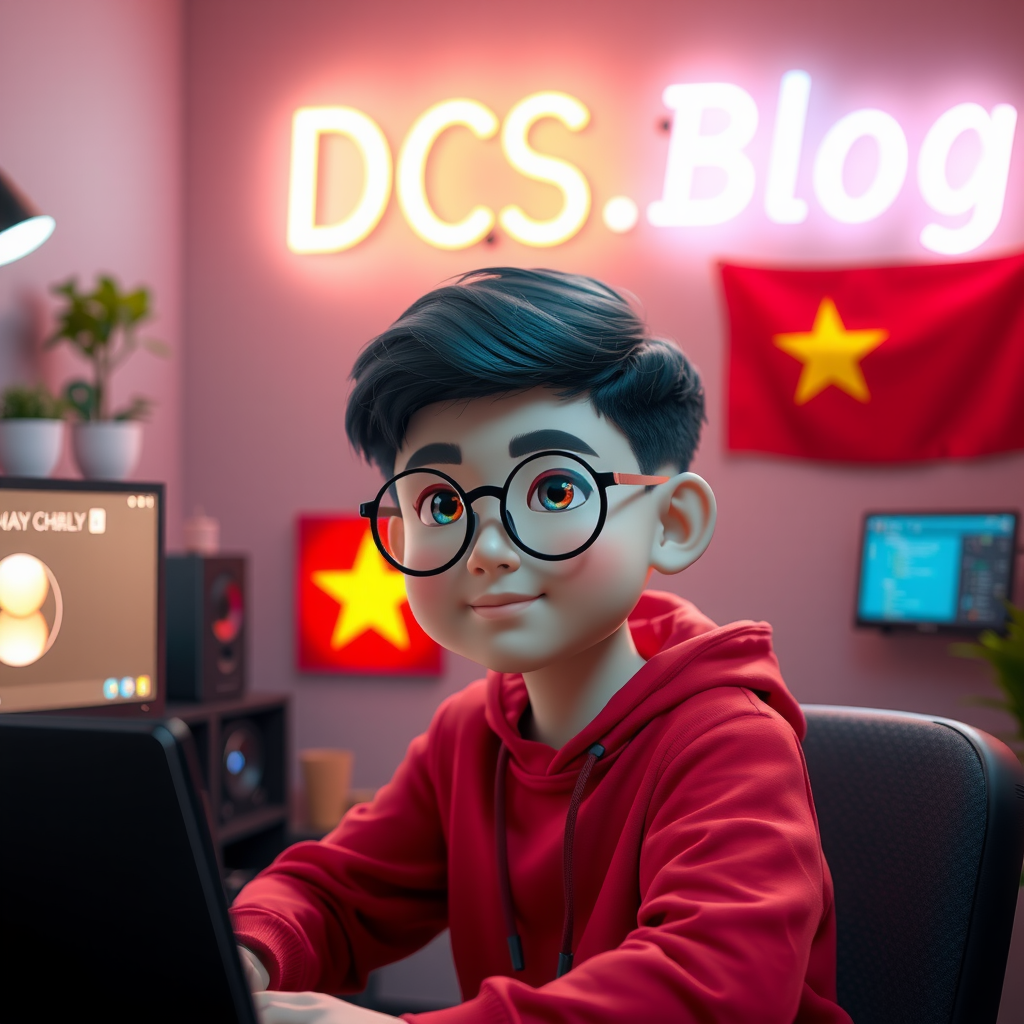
438 453
538 440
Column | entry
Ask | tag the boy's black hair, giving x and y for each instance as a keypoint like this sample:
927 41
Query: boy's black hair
503 330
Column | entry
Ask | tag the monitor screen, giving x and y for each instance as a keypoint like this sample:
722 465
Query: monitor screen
80 586
936 570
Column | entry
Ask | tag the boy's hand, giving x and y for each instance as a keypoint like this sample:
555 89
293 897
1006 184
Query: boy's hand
255 973
313 1008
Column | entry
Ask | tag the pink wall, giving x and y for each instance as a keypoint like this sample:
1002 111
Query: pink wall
90 129
272 335
91 95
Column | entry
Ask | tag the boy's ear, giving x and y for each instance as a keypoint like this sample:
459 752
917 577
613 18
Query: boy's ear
687 512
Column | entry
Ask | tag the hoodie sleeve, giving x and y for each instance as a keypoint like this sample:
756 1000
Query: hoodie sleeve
732 895
374 890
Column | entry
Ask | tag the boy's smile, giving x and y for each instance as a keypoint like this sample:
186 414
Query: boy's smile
497 606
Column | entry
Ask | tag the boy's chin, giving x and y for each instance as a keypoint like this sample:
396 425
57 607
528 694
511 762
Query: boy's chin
521 654
514 652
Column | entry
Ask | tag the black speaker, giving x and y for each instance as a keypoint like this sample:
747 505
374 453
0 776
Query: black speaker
206 620
243 766
243 754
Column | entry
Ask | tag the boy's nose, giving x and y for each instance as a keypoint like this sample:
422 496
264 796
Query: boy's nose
492 550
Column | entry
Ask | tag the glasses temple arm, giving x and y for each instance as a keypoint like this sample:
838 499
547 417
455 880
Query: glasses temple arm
383 511
637 478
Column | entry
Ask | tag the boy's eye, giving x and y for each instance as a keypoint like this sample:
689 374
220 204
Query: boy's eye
558 490
439 506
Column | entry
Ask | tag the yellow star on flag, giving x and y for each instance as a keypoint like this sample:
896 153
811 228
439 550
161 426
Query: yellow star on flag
371 595
831 354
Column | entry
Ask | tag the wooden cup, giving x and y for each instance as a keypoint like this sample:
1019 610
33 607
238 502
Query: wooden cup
328 777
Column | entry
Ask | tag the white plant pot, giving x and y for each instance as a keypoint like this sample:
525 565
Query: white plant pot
107 449
30 447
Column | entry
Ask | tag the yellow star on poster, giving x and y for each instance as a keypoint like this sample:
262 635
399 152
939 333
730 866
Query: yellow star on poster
831 355
371 595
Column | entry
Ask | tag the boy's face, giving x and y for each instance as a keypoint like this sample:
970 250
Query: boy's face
498 605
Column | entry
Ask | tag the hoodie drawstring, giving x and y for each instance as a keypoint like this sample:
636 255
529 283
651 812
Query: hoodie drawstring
565 953
515 945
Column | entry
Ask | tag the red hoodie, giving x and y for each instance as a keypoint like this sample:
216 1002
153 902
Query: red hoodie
699 888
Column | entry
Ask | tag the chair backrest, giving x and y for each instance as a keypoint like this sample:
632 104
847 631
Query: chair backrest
922 823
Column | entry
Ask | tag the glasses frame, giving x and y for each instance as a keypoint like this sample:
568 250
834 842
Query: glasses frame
372 509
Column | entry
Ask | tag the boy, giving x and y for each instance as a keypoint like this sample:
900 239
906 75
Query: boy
616 825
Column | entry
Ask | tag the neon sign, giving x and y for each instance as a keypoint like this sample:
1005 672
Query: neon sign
412 169
691 148
304 234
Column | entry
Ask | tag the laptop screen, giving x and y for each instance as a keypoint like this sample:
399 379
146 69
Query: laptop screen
80 595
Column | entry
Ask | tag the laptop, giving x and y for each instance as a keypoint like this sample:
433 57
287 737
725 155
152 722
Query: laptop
110 897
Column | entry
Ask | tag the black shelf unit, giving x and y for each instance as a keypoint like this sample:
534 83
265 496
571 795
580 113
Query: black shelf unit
246 838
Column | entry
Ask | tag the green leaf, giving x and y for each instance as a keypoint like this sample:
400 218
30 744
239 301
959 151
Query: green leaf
139 409
38 403
68 288
967 650
135 306
100 325
158 348
1005 653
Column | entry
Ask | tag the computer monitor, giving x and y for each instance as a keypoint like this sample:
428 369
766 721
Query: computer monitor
81 594
936 570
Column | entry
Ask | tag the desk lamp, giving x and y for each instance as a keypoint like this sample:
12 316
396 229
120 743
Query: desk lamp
22 227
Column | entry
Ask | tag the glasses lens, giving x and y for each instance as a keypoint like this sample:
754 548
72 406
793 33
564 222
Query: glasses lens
554 504
433 522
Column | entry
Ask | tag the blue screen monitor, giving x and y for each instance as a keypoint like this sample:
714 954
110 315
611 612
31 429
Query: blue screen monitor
936 570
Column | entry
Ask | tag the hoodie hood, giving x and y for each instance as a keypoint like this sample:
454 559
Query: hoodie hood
686 653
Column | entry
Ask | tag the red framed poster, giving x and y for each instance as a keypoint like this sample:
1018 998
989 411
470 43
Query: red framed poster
352 615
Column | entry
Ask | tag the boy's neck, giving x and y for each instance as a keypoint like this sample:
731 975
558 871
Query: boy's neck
566 696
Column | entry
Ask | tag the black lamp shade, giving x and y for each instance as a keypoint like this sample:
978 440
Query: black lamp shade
22 227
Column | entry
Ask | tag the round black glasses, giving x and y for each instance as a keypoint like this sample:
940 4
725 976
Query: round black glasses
553 506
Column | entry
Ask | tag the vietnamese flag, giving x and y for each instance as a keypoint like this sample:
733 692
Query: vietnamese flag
881 364
352 614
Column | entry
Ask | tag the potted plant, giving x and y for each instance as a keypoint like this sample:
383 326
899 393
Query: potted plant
31 430
1006 655
102 325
